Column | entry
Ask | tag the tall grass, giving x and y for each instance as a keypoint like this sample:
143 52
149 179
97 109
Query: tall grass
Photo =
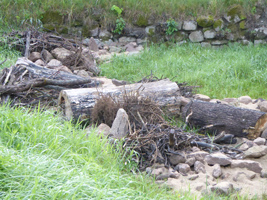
44 157
16 11
231 71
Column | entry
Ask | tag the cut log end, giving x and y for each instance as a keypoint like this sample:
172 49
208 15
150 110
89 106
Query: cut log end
257 130
64 104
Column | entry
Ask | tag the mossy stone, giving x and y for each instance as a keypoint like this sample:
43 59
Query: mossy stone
218 24
236 10
242 25
142 21
205 21
233 28
52 17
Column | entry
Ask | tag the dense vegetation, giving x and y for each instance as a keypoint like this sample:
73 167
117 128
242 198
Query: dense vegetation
44 157
231 71
20 10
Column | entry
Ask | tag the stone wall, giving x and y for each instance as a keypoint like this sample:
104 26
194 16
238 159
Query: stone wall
234 26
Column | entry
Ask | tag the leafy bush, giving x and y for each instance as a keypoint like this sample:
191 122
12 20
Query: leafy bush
171 27
120 23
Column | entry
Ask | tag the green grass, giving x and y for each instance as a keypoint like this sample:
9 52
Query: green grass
227 72
44 157
11 11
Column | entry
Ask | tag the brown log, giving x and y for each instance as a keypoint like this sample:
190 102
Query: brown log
215 118
78 103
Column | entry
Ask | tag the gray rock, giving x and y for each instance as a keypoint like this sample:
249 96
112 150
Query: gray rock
230 100
183 168
47 55
130 47
259 42
190 161
103 129
125 40
35 56
60 68
199 167
263 106
115 49
209 34
120 126
193 177
218 158
246 42
196 36
83 73
205 44
260 141
141 41
248 175
105 35
222 188
61 53
219 42
176 159
54 63
190 25
40 62
218 25
199 155
248 164
255 152
245 99
92 44
202 97
217 171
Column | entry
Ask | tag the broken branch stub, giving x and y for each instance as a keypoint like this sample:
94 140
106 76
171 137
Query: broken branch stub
215 118
78 103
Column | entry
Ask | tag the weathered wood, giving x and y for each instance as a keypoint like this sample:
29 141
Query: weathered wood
27 47
215 118
78 103
42 72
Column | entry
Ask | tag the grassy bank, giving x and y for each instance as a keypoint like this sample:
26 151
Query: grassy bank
15 12
231 71
43 157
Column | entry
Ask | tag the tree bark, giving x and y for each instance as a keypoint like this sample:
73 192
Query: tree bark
78 103
215 118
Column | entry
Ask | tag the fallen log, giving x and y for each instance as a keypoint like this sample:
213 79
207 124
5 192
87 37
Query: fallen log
42 72
78 103
215 118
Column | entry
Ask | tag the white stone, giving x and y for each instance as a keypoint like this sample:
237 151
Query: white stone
209 34
61 53
54 63
190 25
120 126
196 36
202 97
245 99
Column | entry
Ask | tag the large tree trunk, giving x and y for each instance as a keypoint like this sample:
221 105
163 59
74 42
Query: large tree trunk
78 103
215 118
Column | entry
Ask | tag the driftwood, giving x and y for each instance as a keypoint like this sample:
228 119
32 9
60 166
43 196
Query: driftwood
216 118
78 103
